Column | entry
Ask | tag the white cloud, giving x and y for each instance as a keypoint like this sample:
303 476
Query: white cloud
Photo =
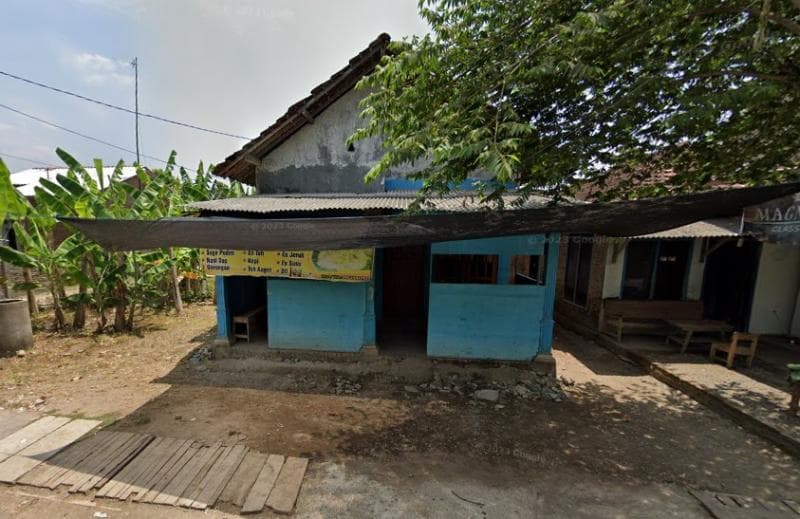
96 69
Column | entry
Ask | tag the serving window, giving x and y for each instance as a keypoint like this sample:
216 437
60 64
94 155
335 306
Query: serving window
465 268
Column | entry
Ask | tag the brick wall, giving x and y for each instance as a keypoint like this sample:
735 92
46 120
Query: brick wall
567 311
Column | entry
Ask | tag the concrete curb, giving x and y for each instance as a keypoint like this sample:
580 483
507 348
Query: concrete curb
700 395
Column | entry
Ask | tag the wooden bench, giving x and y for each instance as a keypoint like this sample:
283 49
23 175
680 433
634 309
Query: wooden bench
644 316
246 320
741 343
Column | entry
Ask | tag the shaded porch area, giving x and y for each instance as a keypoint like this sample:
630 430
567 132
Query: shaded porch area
756 397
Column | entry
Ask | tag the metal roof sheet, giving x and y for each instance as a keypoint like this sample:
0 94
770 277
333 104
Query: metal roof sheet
392 200
717 228
624 218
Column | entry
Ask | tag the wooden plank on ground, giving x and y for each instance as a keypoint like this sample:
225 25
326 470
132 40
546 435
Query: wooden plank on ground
12 421
727 506
287 486
176 487
15 466
93 462
193 490
105 441
792 505
123 462
168 476
131 470
46 447
159 458
112 464
57 440
31 433
58 463
257 497
218 477
243 479
118 462
180 448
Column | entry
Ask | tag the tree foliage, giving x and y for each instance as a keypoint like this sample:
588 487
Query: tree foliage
107 280
548 94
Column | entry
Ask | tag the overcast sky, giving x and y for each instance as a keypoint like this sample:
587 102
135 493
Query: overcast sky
230 65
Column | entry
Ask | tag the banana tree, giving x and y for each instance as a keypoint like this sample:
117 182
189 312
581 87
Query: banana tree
55 264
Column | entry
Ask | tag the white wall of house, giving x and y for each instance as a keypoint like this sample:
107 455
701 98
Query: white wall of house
612 281
694 282
775 296
317 157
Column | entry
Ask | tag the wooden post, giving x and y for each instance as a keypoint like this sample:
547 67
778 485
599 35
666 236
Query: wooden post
176 289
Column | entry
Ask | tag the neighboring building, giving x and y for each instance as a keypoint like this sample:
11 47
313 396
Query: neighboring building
481 299
753 285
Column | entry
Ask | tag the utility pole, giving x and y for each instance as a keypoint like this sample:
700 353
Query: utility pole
135 65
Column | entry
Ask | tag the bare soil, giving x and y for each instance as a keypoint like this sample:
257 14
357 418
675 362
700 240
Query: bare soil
619 444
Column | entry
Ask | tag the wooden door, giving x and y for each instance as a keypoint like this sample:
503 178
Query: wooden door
404 282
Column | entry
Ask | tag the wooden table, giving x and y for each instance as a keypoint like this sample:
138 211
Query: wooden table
685 331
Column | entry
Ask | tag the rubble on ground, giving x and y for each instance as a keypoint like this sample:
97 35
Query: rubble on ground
345 386
490 395
201 354
539 387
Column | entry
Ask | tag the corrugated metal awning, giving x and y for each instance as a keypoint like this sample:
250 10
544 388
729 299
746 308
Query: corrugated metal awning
392 200
622 218
717 228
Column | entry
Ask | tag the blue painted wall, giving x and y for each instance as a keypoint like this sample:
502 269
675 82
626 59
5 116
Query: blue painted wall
224 331
405 184
503 321
320 315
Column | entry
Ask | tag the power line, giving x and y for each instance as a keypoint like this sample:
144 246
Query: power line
34 161
79 134
121 108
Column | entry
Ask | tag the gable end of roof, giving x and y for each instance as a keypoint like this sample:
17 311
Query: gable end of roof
239 166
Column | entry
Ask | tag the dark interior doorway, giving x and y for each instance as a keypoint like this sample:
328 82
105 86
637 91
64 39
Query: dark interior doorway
248 302
672 267
402 325
656 269
729 281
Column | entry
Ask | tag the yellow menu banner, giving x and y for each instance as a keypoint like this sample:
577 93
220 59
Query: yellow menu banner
354 265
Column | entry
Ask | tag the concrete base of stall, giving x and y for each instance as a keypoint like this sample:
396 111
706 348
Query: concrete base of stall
371 359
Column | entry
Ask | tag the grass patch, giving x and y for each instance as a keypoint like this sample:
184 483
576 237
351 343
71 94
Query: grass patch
105 419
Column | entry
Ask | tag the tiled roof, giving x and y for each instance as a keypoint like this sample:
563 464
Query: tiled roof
239 165
717 228
393 200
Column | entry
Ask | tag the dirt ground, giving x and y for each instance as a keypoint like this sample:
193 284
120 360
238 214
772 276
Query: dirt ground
618 444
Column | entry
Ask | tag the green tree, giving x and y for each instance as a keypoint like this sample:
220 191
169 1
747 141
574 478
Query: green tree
106 280
550 93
